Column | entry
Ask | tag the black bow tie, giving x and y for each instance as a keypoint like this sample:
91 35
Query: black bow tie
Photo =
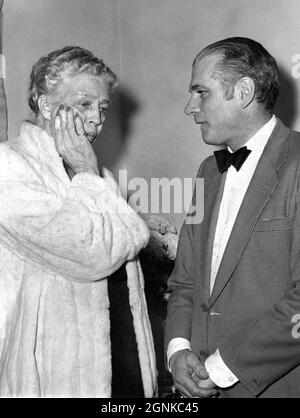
226 158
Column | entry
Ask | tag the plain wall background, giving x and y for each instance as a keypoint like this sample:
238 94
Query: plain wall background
150 44
32 28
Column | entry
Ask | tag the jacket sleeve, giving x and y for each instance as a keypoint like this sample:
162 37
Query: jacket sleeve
265 352
84 233
181 284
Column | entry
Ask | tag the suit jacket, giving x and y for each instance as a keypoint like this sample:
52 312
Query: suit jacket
249 315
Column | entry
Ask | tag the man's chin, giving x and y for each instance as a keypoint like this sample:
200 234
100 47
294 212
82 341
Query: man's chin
205 133
208 138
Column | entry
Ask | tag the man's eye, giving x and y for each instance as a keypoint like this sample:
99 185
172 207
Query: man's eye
202 93
103 109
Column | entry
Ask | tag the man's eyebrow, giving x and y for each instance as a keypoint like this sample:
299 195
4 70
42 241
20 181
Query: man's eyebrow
197 87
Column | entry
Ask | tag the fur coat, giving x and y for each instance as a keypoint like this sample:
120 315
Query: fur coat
59 240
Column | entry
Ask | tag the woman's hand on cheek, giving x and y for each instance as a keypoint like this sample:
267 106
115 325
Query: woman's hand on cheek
72 143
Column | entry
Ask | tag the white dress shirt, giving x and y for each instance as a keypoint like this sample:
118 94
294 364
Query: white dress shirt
235 187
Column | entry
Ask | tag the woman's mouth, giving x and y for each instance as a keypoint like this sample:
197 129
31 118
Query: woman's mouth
91 137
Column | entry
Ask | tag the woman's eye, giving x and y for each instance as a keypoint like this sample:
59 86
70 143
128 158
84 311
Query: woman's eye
85 104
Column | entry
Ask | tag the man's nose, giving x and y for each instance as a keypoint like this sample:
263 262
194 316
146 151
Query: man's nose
192 107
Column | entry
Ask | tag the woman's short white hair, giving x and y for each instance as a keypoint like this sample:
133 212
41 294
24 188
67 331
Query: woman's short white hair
66 62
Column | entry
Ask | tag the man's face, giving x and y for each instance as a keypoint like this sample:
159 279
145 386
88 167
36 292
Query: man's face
217 116
88 95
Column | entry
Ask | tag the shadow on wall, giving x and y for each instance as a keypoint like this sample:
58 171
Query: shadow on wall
286 107
115 136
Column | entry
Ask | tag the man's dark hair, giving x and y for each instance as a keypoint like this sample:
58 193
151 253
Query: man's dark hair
243 57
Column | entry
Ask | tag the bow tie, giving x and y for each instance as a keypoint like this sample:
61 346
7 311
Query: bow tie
226 158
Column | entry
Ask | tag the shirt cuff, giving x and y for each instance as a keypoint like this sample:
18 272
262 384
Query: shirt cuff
218 372
177 344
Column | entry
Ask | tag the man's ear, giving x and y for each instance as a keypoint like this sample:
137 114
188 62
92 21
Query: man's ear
247 91
45 106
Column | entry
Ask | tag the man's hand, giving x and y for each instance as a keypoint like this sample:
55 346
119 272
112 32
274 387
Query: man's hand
206 384
72 144
190 376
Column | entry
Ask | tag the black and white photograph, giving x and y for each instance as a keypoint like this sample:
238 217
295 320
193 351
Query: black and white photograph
149 202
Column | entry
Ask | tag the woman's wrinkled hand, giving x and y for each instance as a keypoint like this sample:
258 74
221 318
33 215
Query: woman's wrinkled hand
72 144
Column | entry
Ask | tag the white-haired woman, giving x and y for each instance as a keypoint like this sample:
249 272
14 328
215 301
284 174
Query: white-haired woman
63 230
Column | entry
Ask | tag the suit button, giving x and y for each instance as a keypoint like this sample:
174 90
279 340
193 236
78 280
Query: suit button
204 307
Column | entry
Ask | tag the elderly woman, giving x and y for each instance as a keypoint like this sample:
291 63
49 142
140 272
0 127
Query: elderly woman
63 230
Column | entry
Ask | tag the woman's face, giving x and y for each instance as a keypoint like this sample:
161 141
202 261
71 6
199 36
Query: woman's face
89 96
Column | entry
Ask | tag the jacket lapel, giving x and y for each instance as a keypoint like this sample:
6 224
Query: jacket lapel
212 205
261 187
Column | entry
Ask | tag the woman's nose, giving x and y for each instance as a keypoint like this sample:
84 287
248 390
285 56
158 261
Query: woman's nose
96 117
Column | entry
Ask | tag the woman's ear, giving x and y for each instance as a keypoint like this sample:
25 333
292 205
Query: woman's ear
45 106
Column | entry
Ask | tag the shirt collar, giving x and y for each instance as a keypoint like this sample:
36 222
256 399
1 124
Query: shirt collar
258 142
261 137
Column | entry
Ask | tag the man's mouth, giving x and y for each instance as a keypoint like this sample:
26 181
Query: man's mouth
199 122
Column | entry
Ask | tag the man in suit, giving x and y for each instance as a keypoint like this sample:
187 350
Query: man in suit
232 325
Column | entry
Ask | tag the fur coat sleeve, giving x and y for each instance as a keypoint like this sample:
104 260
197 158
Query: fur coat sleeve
84 231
